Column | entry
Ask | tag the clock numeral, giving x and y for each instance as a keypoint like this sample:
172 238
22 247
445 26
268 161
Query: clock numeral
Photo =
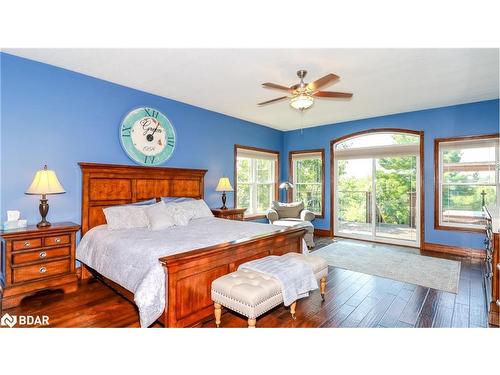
151 112
171 142
151 159
126 132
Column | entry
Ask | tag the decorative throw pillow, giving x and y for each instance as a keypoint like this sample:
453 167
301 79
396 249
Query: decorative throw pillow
144 203
126 217
176 199
163 216
197 207
288 210
160 216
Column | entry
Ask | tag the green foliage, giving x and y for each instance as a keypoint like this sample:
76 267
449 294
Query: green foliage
396 187
308 183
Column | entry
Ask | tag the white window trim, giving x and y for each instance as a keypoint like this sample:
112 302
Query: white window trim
253 155
374 153
459 145
308 156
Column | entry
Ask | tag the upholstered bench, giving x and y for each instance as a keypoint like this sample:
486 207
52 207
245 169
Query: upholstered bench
252 293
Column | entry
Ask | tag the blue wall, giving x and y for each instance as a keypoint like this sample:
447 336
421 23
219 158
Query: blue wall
55 116
460 120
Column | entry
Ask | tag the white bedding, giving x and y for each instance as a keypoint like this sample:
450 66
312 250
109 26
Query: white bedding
295 276
129 257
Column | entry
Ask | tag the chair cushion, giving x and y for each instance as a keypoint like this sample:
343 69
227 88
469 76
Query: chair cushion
290 222
288 209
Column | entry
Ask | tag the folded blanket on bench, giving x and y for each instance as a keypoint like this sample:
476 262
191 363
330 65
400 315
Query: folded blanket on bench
295 276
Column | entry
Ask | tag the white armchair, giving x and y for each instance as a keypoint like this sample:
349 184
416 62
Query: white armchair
291 215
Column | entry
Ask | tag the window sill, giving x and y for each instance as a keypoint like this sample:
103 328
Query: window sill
460 229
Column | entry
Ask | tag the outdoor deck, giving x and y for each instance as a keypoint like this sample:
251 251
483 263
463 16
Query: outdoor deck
395 231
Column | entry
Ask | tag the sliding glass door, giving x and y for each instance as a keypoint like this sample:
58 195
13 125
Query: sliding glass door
376 188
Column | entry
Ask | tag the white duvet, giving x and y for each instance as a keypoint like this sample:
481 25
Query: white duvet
129 257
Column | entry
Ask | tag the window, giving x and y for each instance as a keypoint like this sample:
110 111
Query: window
466 179
307 175
256 179
376 186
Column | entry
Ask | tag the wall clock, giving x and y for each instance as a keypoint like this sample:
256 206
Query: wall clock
147 136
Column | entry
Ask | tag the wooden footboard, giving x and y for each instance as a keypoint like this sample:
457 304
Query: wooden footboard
189 275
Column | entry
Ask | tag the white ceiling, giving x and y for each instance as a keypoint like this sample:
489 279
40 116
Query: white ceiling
228 81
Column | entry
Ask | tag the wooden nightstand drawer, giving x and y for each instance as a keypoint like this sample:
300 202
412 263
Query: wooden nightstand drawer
40 255
29 243
56 240
42 270
229 213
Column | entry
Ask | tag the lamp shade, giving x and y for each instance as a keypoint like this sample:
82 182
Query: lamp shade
224 185
286 185
45 182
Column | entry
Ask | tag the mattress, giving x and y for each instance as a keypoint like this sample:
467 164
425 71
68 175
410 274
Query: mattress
129 257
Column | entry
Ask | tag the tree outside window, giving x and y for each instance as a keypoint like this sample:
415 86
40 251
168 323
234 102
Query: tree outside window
308 180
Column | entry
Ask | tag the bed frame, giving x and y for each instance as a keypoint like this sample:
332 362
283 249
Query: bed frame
190 274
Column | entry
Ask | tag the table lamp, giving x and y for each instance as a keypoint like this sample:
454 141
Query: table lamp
224 185
286 185
45 182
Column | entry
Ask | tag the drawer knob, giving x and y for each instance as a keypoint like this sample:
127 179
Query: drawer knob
57 240
42 270
27 244
43 254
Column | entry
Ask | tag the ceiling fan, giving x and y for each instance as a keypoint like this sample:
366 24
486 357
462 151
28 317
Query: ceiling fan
303 94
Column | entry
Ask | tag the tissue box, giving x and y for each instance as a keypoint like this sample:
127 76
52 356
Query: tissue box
15 224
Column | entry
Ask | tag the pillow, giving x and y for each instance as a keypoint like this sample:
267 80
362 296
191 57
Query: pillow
288 210
144 203
163 216
176 199
125 217
197 207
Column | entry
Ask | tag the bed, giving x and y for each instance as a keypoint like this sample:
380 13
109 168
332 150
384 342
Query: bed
189 266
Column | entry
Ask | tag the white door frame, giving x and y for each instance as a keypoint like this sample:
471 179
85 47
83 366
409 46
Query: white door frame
373 237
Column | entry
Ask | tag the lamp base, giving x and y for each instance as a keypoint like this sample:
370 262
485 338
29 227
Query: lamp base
223 201
43 224
44 210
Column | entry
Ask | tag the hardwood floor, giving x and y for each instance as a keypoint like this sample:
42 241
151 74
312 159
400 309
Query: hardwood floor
352 300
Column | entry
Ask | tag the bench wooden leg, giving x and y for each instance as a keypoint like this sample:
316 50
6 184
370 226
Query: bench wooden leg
322 287
292 309
252 323
217 313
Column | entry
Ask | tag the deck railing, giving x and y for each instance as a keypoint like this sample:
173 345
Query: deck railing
381 217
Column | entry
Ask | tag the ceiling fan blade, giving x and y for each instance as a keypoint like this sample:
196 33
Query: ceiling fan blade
331 94
273 100
323 81
270 85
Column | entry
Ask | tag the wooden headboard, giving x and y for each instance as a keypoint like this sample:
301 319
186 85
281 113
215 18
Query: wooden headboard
105 185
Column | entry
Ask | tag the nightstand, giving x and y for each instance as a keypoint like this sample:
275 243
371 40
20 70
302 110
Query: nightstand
34 259
229 213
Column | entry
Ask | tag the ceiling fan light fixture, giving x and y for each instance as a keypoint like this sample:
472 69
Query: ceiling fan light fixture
301 102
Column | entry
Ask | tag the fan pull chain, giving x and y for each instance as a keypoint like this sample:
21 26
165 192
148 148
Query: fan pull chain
301 121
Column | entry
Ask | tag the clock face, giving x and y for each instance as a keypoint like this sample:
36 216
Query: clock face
147 136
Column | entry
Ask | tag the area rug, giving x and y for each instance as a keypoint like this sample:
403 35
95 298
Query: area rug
393 262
